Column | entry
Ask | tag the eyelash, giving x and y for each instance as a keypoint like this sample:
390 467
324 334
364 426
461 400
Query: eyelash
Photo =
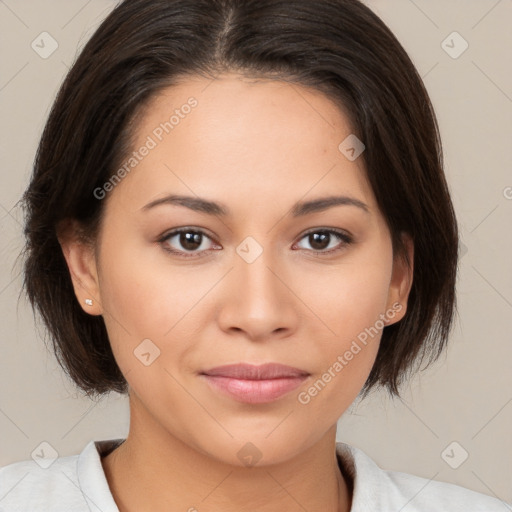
345 238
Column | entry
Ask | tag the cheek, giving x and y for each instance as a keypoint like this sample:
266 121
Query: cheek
350 302
349 297
147 297
344 359
143 290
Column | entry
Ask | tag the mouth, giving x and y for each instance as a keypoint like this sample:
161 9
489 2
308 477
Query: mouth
254 384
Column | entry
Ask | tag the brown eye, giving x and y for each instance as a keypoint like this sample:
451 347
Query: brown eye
185 240
324 240
189 240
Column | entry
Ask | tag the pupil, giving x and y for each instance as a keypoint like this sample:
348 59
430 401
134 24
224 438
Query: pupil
190 240
315 240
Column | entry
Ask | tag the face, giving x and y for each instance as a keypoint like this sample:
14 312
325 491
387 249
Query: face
262 277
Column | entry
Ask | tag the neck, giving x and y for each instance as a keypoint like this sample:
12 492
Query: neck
154 470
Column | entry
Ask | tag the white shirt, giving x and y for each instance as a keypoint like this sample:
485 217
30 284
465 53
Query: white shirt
77 483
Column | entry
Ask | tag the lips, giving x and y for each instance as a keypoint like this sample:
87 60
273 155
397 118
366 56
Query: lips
254 384
254 372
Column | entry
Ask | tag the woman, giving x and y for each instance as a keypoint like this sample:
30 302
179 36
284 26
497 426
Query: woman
238 216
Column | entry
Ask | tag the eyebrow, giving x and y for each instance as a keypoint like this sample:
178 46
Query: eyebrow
299 209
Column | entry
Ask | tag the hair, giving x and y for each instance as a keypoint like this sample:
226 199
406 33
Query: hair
338 47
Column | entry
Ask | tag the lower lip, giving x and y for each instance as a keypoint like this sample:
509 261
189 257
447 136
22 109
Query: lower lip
254 391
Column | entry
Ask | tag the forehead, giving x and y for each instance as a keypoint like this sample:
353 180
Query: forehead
245 139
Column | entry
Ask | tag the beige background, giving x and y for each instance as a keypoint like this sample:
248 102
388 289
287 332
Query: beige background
466 397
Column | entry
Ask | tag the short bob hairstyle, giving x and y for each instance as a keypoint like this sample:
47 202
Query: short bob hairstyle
338 47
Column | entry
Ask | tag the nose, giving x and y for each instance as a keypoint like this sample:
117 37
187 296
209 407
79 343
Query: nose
257 300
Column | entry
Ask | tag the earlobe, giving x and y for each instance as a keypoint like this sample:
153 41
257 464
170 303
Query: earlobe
401 280
79 256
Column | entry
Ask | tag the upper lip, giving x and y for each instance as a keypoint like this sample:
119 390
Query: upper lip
255 372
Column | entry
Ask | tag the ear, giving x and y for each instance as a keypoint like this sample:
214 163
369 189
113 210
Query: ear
401 281
80 258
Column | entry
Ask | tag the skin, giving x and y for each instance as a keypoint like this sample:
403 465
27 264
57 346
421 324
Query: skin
257 146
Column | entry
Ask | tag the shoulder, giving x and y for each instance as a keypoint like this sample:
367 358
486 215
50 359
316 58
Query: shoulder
379 489
26 485
58 484
423 494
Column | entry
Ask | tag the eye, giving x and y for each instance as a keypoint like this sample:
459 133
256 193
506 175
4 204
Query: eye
185 240
188 242
320 240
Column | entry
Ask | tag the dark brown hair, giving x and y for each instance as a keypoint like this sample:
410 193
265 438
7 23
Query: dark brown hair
338 47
